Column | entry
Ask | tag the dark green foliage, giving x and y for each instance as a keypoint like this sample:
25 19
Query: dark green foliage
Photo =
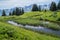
18 11
3 13
10 14
58 19
53 6
58 6
45 10
35 7
14 12
22 11
39 8
41 18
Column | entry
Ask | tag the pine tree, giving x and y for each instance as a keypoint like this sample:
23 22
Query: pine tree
35 7
10 14
39 8
3 13
58 6
18 11
22 11
14 12
53 6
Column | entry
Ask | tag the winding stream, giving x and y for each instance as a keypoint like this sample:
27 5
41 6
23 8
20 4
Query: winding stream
37 28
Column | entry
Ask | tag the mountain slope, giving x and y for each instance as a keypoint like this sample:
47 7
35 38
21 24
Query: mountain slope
10 32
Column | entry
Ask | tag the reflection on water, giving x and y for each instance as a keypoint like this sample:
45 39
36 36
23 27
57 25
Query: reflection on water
37 28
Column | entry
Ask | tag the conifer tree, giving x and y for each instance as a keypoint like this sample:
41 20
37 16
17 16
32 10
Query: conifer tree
3 13
35 7
53 6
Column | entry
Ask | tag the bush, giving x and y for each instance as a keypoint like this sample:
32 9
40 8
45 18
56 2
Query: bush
58 19
53 6
35 8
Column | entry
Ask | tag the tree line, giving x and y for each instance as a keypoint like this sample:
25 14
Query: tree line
16 12
35 7
53 7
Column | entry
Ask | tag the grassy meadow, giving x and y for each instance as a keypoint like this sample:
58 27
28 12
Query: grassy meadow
11 32
39 18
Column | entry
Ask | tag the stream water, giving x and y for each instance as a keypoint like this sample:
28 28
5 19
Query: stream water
37 28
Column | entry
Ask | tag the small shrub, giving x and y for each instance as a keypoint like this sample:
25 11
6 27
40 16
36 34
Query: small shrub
41 18
58 19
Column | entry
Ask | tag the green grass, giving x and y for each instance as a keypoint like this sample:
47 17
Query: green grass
33 22
44 15
10 32
38 18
